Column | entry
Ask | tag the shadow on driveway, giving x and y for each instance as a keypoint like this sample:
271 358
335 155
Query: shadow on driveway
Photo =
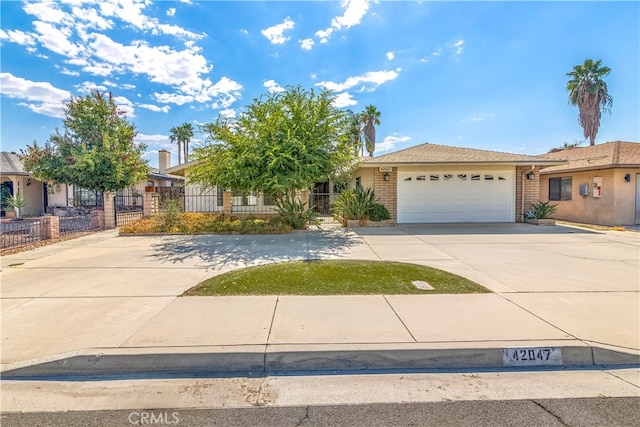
471 229
234 251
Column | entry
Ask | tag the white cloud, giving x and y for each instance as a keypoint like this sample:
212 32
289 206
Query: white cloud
173 98
306 44
373 77
437 52
125 105
184 70
244 31
480 118
69 72
353 14
275 34
19 37
344 100
228 113
87 87
459 47
389 143
41 97
155 108
273 87
171 11
390 55
127 86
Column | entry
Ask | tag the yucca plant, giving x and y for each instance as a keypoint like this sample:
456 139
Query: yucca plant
16 202
542 210
355 204
295 214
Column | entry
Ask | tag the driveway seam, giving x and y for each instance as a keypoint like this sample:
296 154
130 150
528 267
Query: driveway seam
399 318
267 344
124 343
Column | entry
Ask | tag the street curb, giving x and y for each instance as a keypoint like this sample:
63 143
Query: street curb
261 360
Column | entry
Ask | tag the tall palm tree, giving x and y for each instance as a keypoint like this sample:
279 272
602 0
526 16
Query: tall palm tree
355 130
589 93
370 117
175 137
186 132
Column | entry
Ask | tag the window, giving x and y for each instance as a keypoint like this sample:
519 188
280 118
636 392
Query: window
408 179
488 177
448 176
434 178
560 188
475 177
421 178
358 182
462 176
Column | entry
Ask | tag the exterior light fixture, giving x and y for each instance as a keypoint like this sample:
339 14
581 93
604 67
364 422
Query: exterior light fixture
627 178
530 176
386 176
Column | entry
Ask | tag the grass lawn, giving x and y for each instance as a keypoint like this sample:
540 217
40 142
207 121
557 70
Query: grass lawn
334 277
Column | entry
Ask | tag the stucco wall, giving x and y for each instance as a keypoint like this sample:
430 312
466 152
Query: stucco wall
366 177
615 207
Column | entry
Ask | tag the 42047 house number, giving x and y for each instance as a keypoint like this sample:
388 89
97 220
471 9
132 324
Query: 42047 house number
531 356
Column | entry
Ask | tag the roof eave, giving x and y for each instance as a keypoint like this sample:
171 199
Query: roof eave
535 162
588 168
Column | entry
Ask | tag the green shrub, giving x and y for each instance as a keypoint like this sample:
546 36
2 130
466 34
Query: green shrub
542 210
295 214
355 204
379 213
170 211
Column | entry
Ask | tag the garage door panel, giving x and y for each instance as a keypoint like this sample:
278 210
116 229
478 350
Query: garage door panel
456 195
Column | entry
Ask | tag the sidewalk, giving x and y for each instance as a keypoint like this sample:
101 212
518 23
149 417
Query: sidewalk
104 304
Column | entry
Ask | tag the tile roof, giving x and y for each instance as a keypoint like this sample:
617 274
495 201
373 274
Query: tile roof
607 155
155 173
434 154
10 164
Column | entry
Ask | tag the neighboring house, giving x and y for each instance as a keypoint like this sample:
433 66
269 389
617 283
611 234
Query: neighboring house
599 184
40 195
432 183
37 194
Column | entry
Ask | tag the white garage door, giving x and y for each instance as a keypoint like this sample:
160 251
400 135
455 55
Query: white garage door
454 195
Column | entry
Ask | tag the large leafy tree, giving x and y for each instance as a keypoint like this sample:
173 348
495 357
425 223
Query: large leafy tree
96 150
588 91
281 143
370 117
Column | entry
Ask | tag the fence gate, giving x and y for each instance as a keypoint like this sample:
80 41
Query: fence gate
322 202
128 204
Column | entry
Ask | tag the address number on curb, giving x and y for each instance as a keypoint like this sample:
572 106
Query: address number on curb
531 356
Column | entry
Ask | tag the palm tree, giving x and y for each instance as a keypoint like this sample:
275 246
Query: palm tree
355 130
175 137
186 132
589 93
370 117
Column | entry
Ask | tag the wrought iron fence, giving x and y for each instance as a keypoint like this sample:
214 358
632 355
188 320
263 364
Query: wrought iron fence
27 231
202 199
322 204
80 222
252 203
20 232
128 205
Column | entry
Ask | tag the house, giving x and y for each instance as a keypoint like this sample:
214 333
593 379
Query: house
432 183
598 184
37 194
40 196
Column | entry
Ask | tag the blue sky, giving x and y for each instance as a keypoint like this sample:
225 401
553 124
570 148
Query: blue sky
488 75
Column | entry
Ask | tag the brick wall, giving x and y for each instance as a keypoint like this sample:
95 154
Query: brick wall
387 191
531 190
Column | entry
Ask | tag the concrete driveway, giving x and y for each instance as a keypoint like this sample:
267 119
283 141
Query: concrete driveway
105 291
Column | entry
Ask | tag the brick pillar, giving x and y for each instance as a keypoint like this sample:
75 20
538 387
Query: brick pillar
150 204
227 201
50 227
109 209
304 198
386 190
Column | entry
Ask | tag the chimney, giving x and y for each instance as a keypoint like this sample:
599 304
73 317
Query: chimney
164 160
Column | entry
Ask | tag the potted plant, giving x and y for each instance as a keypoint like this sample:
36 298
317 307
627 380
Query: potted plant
16 202
540 213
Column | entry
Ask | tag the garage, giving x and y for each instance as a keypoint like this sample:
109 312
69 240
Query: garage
456 195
